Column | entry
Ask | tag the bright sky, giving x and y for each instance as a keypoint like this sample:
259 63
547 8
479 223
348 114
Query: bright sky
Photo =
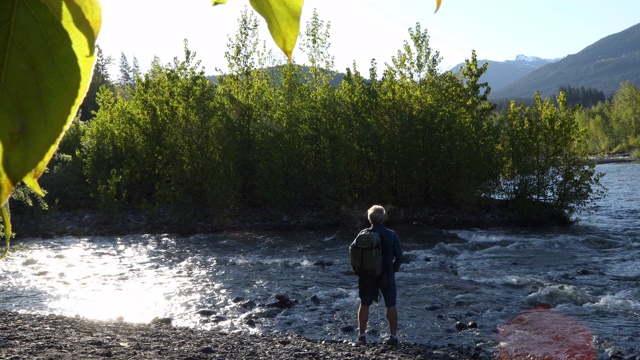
365 29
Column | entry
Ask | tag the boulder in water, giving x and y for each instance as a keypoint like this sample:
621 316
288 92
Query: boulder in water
205 312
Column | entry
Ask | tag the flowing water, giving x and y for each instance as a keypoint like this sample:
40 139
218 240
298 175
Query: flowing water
589 272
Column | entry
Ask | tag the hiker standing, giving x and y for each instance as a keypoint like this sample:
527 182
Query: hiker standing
370 286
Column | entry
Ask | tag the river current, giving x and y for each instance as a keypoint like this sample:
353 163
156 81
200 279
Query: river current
589 272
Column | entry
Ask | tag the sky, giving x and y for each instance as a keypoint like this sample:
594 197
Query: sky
361 30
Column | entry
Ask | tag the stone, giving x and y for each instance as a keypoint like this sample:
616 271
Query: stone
348 328
205 312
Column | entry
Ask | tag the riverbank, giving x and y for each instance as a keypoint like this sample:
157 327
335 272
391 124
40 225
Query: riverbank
613 159
25 336
489 214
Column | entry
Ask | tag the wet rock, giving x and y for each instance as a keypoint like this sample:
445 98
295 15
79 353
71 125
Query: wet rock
161 321
218 318
432 307
250 304
348 328
315 299
106 354
323 263
207 350
29 262
460 325
205 312
472 325
267 313
283 302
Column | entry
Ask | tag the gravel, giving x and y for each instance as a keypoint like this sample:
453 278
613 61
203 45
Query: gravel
32 336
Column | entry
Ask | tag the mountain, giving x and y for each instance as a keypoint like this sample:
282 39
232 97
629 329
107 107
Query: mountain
502 73
602 66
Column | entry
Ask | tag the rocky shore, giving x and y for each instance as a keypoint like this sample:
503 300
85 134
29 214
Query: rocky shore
491 214
613 158
30 336
24 336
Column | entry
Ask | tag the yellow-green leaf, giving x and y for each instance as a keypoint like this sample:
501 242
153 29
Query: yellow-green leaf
218 2
438 5
6 221
32 183
46 61
283 19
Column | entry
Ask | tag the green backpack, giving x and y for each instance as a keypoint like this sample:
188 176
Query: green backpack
365 254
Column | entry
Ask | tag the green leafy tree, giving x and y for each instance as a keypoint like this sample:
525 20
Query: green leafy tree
246 93
546 165
161 148
319 138
67 188
625 116
597 122
357 116
105 149
436 126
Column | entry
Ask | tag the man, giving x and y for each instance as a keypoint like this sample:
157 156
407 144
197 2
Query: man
369 286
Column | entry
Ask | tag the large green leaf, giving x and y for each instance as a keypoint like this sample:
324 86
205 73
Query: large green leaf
283 19
46 61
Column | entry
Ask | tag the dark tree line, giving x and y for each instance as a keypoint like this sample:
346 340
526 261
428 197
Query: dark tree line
585 98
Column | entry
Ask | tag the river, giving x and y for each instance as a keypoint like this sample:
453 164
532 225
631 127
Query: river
589 272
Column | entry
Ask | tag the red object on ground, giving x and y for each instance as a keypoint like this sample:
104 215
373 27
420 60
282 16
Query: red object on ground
545 334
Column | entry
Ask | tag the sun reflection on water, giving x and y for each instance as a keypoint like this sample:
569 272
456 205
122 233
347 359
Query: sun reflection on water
100 282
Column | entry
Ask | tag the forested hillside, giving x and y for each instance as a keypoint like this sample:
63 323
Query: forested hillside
502 73
603 65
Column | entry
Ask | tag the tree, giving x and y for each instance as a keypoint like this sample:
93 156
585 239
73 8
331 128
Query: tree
246 92
587 98
127 77
625 116
101 77
546 167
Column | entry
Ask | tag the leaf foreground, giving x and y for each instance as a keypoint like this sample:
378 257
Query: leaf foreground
46 61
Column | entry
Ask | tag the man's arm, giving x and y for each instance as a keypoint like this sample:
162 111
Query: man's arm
398 258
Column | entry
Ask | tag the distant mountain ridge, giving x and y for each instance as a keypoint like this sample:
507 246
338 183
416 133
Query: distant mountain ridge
502 73
602 66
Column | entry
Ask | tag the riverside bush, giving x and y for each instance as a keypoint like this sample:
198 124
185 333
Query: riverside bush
287 139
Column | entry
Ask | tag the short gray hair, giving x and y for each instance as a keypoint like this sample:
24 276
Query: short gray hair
376 215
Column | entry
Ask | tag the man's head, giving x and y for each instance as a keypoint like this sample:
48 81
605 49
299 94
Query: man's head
376 215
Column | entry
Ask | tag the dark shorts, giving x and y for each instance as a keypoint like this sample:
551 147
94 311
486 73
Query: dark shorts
369 290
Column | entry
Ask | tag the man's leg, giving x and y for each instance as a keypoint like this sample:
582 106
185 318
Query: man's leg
363 318
392 316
